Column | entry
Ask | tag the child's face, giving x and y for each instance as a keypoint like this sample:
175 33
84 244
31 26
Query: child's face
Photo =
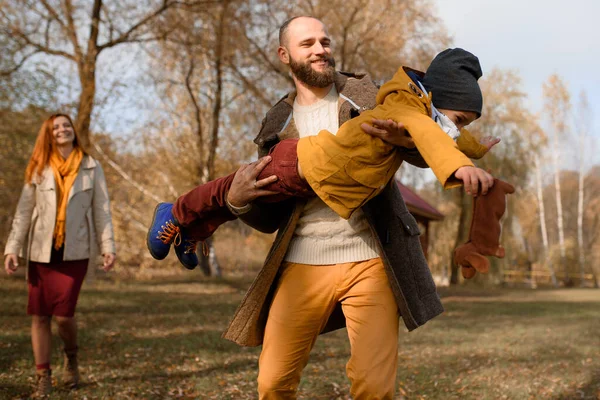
460 118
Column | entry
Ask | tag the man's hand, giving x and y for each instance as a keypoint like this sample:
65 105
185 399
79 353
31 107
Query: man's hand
11 263
489 141
472 177
109 261
389 131
245 188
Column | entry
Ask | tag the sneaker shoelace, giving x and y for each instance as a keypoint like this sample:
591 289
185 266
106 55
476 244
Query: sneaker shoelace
190 246
170 233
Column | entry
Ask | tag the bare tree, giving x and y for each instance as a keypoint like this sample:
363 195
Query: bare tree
540 197
208 257
462 235
582 124
195 77
558 105
58 28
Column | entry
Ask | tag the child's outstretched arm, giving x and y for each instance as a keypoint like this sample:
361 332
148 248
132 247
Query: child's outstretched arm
489 141
473 148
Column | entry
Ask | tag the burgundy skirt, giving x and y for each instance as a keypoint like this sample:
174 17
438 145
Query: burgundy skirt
54 287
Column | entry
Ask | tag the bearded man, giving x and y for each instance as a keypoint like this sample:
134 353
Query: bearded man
324 272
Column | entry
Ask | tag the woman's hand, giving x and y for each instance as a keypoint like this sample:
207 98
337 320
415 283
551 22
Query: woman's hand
11 263
109 261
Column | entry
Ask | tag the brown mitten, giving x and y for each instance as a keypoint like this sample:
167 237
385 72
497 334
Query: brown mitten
484 235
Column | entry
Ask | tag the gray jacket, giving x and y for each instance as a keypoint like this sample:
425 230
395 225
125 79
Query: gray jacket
392 225
88 225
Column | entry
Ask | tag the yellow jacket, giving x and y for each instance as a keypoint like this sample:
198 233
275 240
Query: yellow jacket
349 168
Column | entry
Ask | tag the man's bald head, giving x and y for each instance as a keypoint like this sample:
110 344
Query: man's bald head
284 36
305 46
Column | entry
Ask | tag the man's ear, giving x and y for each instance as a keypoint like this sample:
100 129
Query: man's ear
284 55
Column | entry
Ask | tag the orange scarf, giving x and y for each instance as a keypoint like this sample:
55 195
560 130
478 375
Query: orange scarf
65 172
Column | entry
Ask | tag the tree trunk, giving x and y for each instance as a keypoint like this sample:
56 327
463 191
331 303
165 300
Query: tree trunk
558 106
462 232
580 246
209 263
218 100
86 65
87 79
540 196
580 224
559 217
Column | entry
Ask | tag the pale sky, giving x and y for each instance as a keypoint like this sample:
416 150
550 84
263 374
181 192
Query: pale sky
537 38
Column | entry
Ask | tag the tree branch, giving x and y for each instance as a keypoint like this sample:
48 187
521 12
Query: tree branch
41 48
127 217
197 112
125 175
217 105
54 14
17 66
93 50
167 182
71 31
259 94
125 37
264 55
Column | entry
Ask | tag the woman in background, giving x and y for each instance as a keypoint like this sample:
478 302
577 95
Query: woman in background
62 217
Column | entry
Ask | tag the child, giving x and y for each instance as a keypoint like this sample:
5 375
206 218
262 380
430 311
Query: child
351 167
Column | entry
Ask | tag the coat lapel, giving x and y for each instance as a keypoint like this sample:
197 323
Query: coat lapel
47 182
83 181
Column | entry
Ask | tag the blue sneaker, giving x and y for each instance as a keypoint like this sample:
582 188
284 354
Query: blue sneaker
164 231
186 252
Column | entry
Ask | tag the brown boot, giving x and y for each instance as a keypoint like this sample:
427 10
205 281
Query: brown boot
43 383
71 369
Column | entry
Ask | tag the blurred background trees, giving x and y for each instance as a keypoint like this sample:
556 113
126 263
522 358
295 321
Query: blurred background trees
169 94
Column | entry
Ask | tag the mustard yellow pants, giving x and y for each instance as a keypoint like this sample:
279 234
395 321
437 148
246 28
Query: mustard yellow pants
305 297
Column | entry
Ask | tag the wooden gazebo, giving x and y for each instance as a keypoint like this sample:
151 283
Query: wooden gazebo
422 211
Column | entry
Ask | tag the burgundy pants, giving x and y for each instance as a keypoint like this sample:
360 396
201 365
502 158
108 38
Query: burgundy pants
203 209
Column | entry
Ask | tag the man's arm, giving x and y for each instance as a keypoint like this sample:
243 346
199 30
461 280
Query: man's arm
266 217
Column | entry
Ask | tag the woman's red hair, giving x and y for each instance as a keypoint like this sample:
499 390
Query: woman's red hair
44 146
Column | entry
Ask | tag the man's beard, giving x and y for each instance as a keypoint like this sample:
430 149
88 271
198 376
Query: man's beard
307 75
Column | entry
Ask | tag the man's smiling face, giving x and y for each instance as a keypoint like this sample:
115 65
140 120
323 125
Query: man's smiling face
308 53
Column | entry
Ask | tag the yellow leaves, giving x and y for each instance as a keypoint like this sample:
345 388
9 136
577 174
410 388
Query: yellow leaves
402 391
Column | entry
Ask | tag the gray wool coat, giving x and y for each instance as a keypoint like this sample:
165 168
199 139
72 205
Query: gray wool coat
390 222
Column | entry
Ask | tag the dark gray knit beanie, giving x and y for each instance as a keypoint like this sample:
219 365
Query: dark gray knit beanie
452 80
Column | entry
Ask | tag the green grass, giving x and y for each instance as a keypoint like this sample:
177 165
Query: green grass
161 340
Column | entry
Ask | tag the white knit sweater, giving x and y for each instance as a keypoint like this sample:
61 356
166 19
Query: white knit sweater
322 237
